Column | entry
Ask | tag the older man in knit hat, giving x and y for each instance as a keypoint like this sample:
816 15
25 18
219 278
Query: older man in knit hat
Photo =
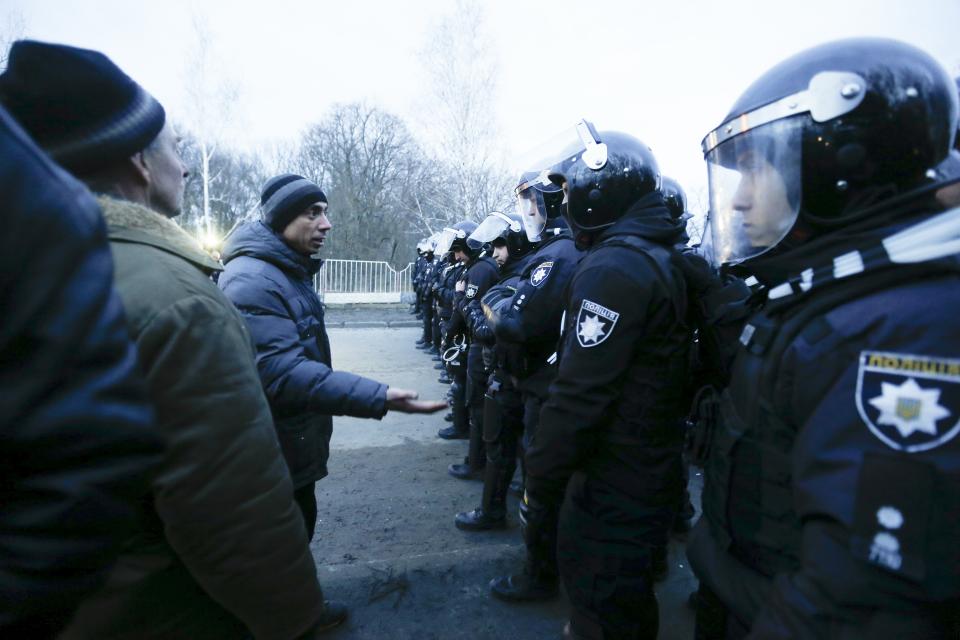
220 551
268 274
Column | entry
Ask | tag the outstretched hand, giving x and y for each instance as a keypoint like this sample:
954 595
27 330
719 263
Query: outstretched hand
405 401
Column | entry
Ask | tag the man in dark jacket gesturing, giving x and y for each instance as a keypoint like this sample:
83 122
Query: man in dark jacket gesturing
269 277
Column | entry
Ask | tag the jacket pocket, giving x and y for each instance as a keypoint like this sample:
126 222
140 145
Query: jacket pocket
305 442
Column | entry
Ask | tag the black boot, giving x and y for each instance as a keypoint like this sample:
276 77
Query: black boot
333 615
452 433
444 379
539 580
523 587
449 416
465 471
460 427
492 513
476 460
478 520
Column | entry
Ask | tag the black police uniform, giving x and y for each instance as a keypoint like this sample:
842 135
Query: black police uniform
503 405
531 324
481 274
426 298
832 487
533 318
453 329
437 277
416 280
610 425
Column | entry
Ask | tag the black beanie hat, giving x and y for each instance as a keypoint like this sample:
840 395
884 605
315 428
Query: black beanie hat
78 105
285 197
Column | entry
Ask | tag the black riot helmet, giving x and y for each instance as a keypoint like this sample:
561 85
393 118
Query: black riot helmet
602 177
819 140
539 203
502 228
674 197
455 237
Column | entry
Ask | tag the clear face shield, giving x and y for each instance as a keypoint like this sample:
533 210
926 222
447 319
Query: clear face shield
579 143
754 165
444 239
492 227
531 207
755 189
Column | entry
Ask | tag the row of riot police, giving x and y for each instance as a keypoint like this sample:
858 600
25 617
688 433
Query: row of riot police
806 355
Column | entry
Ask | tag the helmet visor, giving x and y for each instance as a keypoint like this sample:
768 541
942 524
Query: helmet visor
755 187
493 226
445 240
533 212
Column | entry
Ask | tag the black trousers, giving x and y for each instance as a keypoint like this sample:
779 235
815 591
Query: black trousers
306 499
606 566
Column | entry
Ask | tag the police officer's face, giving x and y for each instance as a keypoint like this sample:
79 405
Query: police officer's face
527 208
761 198
501 254
460 255
307 232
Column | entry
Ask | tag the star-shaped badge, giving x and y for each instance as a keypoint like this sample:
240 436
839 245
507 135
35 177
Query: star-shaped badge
909 408
591 329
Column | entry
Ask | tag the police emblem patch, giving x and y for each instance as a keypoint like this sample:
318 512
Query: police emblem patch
540 273
909 402
595 323
471 290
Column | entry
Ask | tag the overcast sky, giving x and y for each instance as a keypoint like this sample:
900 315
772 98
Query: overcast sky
667 72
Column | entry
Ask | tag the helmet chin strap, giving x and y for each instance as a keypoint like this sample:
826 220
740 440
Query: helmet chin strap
932 239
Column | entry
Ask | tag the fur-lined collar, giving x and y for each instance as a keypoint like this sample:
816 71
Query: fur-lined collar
131 222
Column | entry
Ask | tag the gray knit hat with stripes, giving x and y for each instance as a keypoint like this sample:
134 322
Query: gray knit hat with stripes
78 105
285 197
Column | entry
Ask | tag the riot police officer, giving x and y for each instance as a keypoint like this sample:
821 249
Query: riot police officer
503 404
832 487
481 273
415 276
446 282
454 329
425 295
532 322
610 428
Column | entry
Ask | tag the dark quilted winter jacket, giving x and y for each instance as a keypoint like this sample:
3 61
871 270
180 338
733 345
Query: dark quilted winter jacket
272 286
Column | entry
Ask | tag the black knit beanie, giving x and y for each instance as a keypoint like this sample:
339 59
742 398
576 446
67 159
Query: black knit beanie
78 105
285 197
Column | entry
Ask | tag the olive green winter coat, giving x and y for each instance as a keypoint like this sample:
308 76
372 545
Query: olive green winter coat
222 545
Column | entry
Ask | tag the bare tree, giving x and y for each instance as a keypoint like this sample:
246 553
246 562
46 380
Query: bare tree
13 28
211 95
698 204
461 72
383 190
235 198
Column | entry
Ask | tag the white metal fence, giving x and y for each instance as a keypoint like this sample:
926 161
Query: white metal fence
359 281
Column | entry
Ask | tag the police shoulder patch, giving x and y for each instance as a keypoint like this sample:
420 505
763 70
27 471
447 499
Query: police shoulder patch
471 290
910 402
539 275
595 323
